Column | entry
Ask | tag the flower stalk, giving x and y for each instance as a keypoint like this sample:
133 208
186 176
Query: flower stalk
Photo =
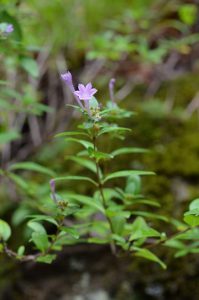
100 187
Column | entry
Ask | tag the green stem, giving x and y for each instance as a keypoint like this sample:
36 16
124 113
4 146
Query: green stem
167 239
100 186
33 257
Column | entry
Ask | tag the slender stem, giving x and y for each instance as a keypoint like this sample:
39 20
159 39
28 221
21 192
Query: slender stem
56 237
167 239
161 242
100 186
11 253
33 257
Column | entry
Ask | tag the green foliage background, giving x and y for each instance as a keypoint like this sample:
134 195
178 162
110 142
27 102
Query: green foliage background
149 46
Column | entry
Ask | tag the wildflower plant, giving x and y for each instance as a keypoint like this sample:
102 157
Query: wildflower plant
114 211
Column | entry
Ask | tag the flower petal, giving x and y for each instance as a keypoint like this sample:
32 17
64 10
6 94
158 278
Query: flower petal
77 93
89 86
81 87
93 91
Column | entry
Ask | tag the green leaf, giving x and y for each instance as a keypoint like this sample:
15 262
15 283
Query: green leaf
5 230
191 217
108 194
47 259
84 162
142 201
31 166
96 240
181 253
43 218
30 66
85 144
111 129
173 243
128 150
125 174
99 228
37 227
87 201
188 13
79 178
20 214
18 181
99 155
179 225
191 234
194 212
71 231
191 220
20 251
194 204
118 223
145 253
140 229
149 215
121 241
71 133
40 240
8 136
74 106
93 103
133 185
113 211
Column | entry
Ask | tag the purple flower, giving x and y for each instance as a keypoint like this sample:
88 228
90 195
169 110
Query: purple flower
52 187
85 92
9 28
67 77
111 89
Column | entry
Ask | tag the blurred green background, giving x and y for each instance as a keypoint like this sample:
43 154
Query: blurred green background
151 47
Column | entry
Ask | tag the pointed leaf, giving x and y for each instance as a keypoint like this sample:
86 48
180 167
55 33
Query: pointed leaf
140 229
5 230
9 136
19 181
191 220
30 66
145 253
21 251
31 166
84 143
84 162
143 201
194 204
48 219
87 201
71 231
71 133
126 173
111 129
37 227
146 214
128 150
79 178
40 240
47 259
